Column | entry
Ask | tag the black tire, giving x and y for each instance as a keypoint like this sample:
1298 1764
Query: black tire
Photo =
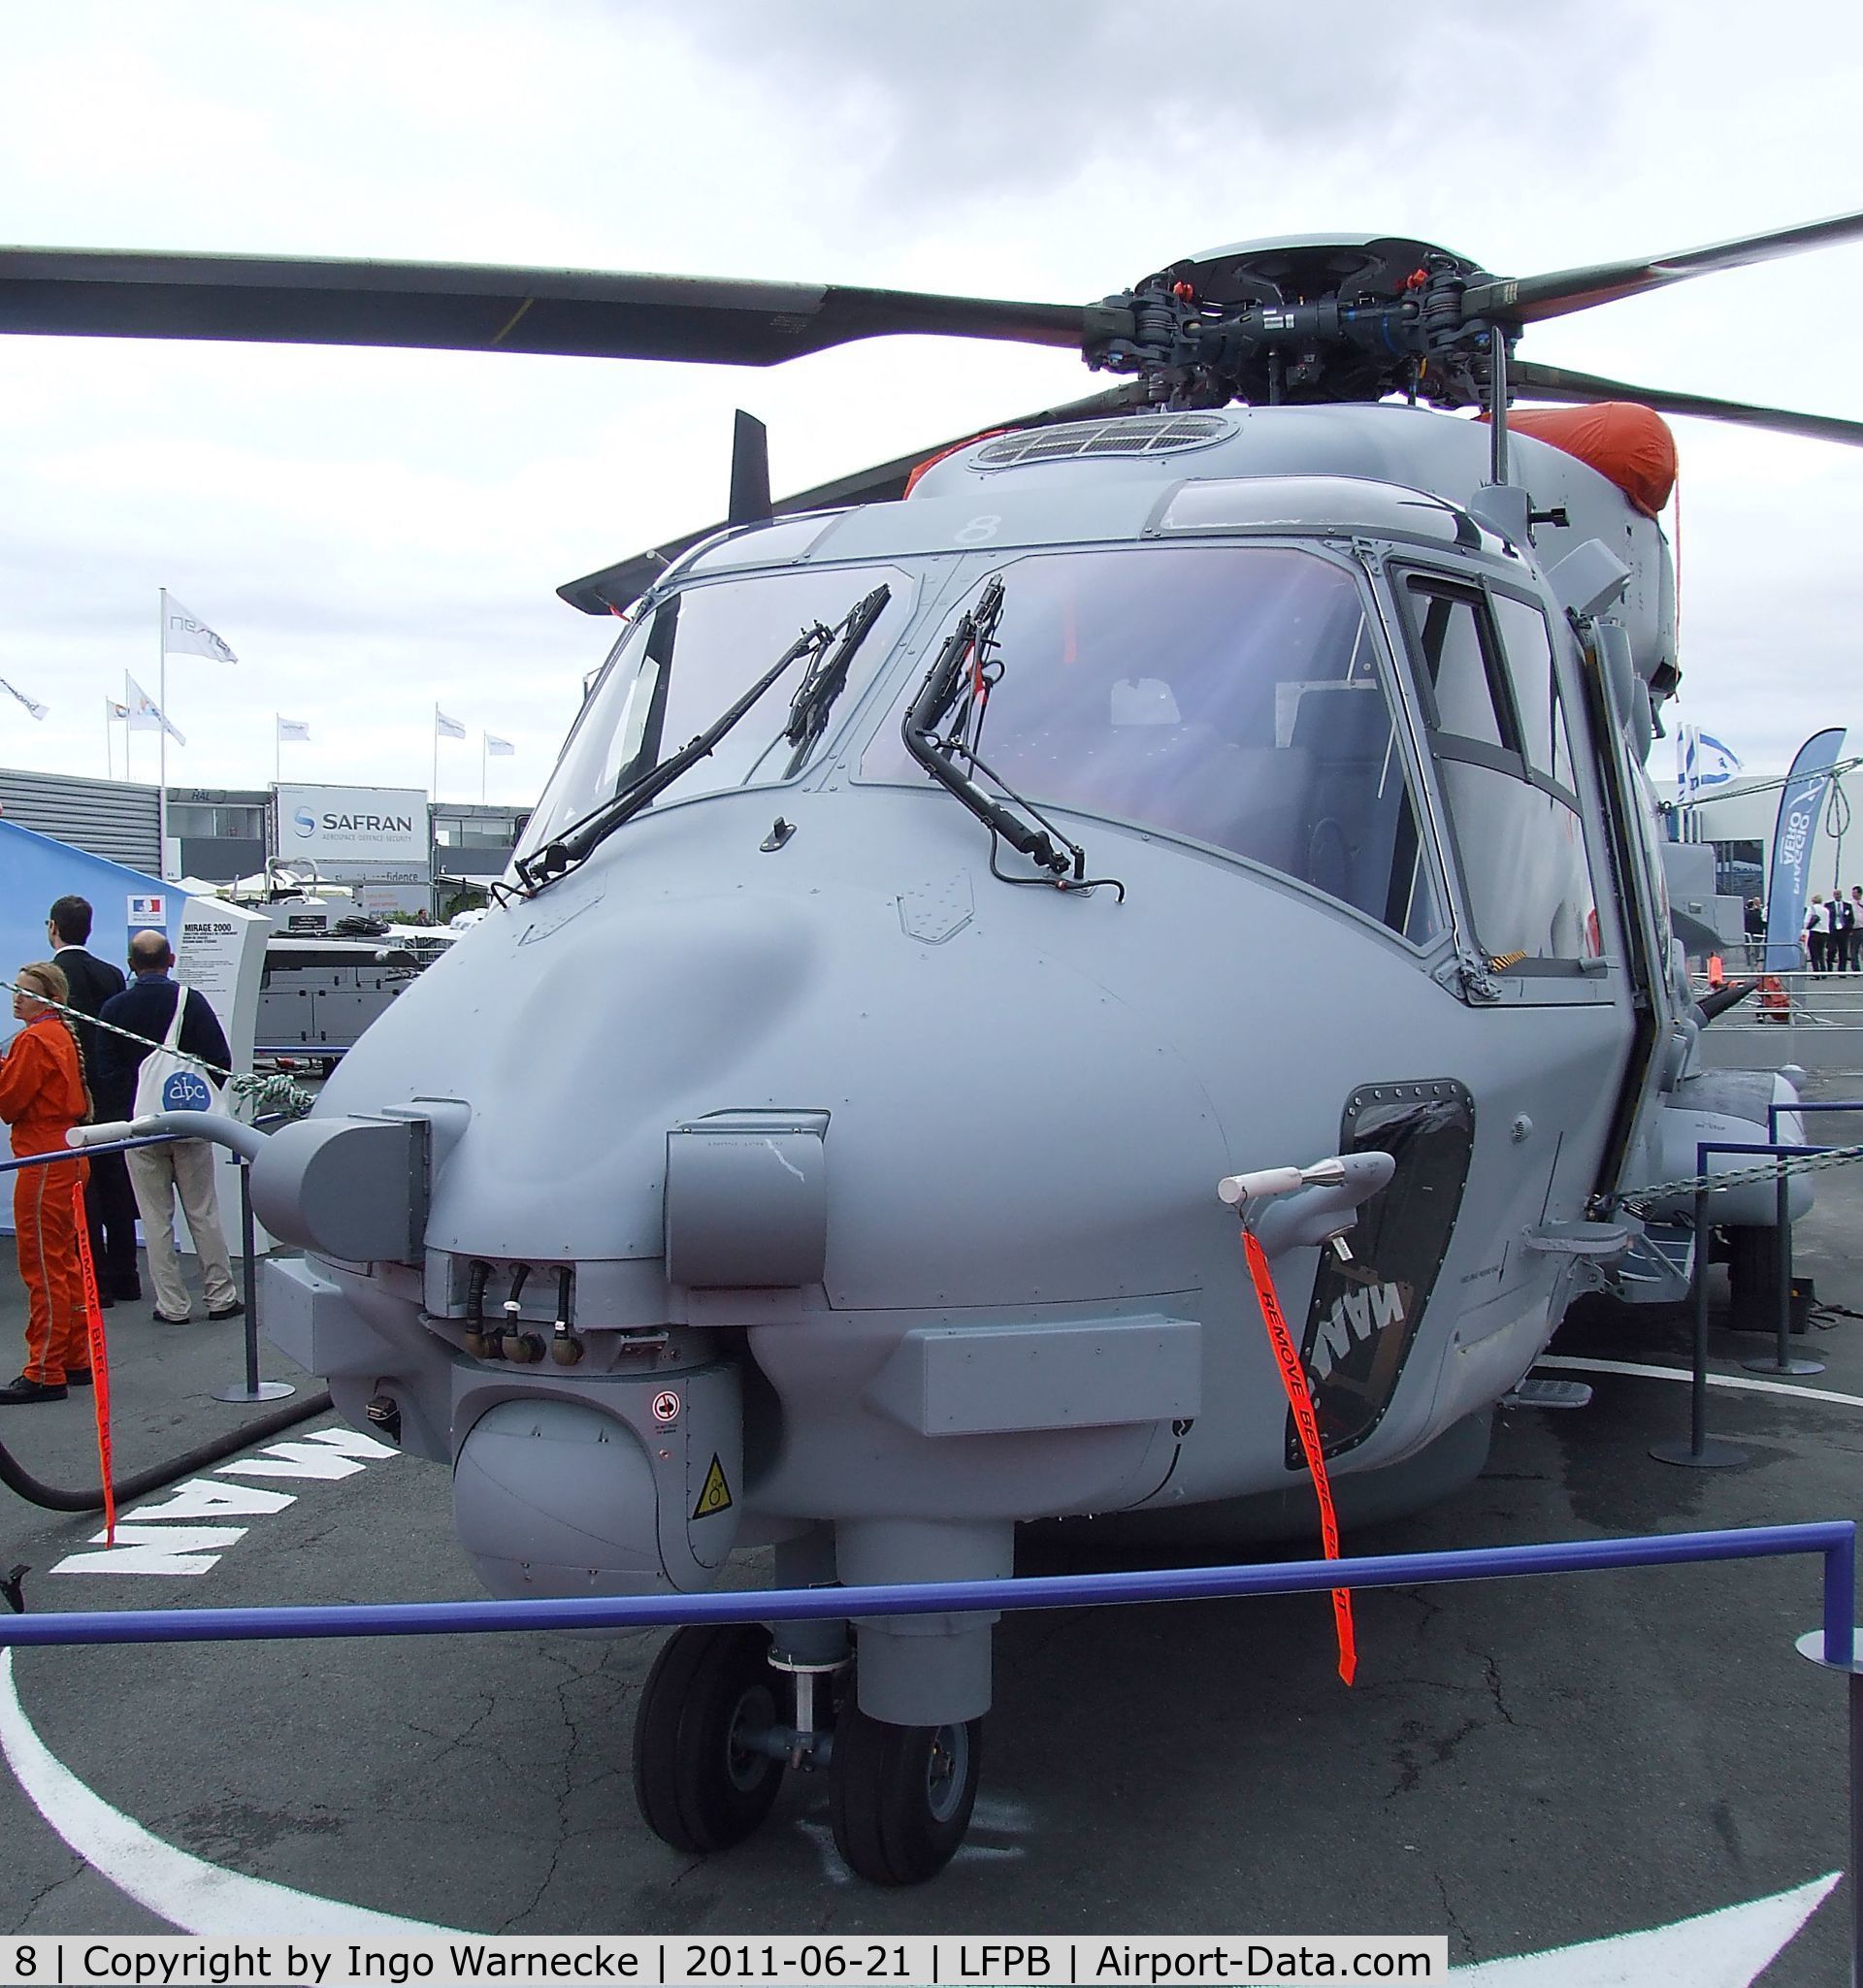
899 1797
698 1789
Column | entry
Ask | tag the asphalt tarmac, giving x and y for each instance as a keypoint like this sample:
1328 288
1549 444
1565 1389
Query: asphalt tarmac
1522 1765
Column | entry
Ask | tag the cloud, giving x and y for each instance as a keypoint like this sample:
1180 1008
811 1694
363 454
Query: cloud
377 529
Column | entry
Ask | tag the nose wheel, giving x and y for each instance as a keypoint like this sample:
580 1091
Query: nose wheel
701 1776
710 1741
899 1797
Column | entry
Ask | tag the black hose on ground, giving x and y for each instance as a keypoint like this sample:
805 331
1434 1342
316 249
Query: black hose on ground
18 1478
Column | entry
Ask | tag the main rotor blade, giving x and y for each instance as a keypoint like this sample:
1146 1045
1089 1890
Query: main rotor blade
462 307
612 588
1555 384
1525 300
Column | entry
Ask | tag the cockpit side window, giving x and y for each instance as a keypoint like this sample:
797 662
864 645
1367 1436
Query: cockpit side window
1535 683
1462 677
1497 731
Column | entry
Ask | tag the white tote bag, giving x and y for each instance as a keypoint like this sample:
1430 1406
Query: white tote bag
169 1081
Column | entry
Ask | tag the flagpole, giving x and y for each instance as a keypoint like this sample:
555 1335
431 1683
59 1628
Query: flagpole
278 748
110 747
126 727
436 751
161 792
484 760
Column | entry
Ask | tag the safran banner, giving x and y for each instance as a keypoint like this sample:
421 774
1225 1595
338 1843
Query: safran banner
1794 838
378 833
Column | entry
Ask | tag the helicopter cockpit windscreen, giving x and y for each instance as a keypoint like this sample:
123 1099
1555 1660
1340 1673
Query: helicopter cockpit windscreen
680 669
1229 694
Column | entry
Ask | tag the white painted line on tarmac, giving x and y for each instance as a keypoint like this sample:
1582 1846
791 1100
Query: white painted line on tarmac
1724 1949
191 1894
170 1548
1738 1383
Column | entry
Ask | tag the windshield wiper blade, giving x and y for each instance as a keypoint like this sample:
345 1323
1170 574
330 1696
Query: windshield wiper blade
970 643
577 842
827 678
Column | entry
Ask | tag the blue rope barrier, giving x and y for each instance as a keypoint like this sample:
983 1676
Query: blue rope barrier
1833 1539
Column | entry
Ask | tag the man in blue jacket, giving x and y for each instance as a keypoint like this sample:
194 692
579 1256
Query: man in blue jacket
159 1173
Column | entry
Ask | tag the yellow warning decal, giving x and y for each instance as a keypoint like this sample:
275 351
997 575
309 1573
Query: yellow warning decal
716 1495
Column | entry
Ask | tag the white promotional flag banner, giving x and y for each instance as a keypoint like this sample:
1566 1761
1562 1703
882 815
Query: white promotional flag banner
445 727
119 713
499 748
294 730
39 711
145 714
185 634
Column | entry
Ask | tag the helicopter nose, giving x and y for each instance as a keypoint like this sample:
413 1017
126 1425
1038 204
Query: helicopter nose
682 992
577 1037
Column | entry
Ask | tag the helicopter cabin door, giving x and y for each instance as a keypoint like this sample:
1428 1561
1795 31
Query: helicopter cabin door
1505 726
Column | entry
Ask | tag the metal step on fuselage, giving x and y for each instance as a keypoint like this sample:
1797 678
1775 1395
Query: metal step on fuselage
1658 1267
1532 1391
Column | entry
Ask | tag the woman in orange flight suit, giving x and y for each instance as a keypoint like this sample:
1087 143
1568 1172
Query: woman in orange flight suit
42 1095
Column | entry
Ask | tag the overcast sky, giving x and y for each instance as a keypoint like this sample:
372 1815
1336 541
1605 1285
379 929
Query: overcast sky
374 531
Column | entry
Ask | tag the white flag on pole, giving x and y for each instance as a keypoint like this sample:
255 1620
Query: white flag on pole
294 730
1686 761
187 633
1702 762
39 711
445 727
1715 764
499 748
119 714
145 714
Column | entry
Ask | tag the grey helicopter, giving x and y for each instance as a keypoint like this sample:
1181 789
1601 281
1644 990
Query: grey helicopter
956 916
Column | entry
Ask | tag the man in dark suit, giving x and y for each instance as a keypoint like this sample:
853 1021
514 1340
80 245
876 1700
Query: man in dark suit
186 1167
110 1202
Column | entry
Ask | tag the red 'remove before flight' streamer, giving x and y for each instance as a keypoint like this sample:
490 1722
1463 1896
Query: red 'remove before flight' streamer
99 1365
1293 1379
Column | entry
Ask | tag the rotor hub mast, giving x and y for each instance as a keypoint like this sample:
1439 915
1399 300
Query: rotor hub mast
1346 319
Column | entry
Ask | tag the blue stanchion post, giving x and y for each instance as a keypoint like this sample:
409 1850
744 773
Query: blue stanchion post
1785 1361
1833 1648
254 1390
1700 1453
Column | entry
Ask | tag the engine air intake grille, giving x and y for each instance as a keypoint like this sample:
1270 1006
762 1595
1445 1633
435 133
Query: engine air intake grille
1126 434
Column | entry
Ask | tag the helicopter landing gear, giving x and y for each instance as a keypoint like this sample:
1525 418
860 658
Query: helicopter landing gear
703 1774
899 1797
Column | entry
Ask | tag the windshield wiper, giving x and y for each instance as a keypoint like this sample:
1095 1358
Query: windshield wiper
577 842
971 642
827 678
